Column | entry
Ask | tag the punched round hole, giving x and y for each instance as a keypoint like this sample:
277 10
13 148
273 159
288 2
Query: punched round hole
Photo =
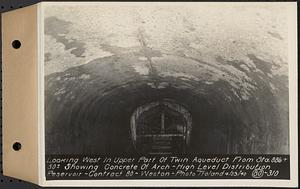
16 44
17 146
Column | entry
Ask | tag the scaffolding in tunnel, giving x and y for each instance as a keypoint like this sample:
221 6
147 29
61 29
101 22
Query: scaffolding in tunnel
161 128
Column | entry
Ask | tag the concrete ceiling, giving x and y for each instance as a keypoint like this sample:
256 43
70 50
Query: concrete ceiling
227 65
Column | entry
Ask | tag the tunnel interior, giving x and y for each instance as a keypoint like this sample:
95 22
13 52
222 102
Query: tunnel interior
101 107
162 127
194 79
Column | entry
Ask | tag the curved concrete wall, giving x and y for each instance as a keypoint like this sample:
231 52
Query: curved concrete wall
89 107
230 72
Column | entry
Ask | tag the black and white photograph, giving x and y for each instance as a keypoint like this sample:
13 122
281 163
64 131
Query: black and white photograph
181 84
166 80
150 94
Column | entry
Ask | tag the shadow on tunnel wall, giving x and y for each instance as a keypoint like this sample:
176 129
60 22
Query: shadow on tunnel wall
88 109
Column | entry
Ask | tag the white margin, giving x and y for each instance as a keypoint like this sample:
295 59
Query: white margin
41 100
293 91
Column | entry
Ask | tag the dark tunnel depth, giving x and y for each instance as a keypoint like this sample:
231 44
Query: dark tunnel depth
96 101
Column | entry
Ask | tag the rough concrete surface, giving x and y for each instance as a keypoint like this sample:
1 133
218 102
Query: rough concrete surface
226 64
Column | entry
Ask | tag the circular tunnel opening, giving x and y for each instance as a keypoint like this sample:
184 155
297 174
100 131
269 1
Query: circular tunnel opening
106 107
162 127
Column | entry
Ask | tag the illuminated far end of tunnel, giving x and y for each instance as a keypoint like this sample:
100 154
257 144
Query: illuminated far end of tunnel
162 127
125 104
